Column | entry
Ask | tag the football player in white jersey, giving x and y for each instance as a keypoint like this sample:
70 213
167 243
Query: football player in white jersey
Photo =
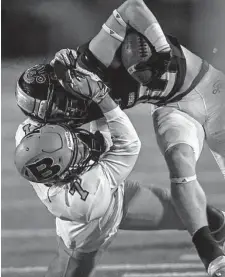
189 97
81 181
88 213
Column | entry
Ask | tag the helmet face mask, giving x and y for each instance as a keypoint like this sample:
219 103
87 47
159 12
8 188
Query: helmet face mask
65 108
40 96
88 149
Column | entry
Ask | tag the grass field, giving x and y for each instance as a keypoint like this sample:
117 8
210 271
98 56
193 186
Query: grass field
28 236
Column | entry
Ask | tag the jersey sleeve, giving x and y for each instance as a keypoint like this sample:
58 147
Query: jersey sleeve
102 126
113 168
121 158
25 128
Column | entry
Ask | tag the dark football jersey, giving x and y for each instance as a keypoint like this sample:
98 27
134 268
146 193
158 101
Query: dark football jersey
125 90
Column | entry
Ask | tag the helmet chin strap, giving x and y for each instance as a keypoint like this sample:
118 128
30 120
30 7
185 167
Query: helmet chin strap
95 143
99 143
96 147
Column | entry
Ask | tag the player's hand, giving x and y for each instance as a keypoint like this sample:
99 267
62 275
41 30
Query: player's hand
85 85
64 59
76 78
158 63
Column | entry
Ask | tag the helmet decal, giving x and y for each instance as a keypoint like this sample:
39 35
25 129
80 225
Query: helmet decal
36 74
69 140
43 169
40 96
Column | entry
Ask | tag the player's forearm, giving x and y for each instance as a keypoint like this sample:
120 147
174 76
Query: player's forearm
123 133
104 45
99 125
107 104
122 156
139 17
132 13
118 122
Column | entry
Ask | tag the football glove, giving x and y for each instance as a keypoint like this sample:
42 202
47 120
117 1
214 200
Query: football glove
85 85
64 59
77 80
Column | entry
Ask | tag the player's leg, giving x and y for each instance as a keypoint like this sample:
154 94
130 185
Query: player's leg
214 97
71 263
180 139
216 220
157 211
148 207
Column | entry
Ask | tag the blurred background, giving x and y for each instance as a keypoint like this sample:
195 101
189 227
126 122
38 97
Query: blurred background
32 31
31 28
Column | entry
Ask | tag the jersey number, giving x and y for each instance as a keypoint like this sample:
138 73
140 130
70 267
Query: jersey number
76 186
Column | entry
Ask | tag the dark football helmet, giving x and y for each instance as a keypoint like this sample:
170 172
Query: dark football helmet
41 97
56 153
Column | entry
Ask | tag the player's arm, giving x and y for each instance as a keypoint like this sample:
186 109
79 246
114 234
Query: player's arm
95 187
100 125
133 13
126 144
117 162
121 158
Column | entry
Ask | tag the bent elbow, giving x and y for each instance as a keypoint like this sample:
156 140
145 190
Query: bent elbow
134 146
134 5
129 7
138 143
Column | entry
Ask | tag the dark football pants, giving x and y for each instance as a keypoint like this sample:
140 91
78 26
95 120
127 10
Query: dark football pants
144 208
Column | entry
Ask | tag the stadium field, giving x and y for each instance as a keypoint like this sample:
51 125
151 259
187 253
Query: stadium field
28 236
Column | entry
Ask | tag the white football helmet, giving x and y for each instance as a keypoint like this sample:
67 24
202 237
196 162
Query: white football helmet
56 153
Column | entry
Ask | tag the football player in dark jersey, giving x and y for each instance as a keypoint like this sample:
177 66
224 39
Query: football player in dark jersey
188 98
189 95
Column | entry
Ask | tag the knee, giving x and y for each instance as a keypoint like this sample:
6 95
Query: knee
181 160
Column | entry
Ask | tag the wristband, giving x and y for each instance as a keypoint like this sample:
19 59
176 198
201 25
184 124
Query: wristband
112 33
155 35
119 19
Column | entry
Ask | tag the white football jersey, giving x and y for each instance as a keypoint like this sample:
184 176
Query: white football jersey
89 214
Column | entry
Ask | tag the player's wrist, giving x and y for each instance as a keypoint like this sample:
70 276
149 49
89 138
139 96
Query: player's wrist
155 35
107 105
114 113
115 26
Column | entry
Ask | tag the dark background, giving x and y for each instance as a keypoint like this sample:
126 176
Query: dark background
33 30
31 27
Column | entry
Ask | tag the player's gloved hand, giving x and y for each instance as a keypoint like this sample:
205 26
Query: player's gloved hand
85 85
64 59
76 79
158 63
